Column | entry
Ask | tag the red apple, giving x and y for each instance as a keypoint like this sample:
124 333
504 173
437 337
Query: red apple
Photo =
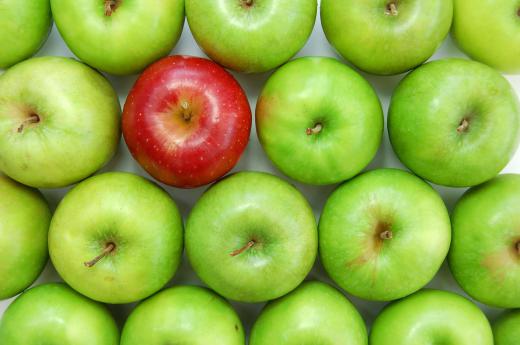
186 121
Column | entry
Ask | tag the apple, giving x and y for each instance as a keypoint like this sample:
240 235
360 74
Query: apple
118 36
56 314
251 237
24 225
386 36
384 234
25 25
489 32
183 315
506 329
314 313
59 121
251 36
485 252
116 238
186 121
431 317
454 122
319 121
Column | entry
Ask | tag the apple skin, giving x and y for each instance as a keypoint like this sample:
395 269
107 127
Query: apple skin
183 315
454 122
506 329
133 36
186 121
489 32
313 313
25 26
377 40
431 317
78 122
137 217
251 38
485 251
55 314
25 222
315 90
384 234
251 237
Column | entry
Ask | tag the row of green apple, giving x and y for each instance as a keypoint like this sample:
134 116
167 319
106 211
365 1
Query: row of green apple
256 36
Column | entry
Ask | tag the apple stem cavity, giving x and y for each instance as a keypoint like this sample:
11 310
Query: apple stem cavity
386 235
108 249
247 3
34 118
111 6
315 130
391 9
517 247
243 249
463 126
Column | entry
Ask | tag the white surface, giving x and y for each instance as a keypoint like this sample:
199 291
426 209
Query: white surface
255 159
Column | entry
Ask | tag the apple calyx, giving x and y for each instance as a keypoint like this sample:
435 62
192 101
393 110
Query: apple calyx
391 9
247 3
111 6
386 235
463 126
249 244
109 248
186 112
315 130
34 118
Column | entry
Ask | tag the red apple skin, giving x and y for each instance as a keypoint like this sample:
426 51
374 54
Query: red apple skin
186 121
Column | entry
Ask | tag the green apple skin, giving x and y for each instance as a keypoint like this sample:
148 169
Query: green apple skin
485 252
137 217
431 317
133 36
260 210
489 32
384 234
24 221
251 38
314 313
381 41
506 329
317 91
55 314
184 315
78 122
454 122
25 26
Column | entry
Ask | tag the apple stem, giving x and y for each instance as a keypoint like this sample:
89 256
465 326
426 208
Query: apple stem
110 7
31 119
386 235
186 113
517 247
108 249
391 9
315 130
248 3
464 125
243 249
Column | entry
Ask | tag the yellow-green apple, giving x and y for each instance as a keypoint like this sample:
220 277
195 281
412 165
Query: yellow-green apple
506 329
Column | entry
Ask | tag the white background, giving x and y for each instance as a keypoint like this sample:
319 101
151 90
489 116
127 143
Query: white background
255 159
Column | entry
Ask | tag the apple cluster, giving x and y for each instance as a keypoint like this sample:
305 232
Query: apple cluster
382 235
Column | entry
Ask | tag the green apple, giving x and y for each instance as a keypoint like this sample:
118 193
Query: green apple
386 36
319 121
119 36
431 317
59 122
454 122
24 27
251 36
485 253
314 313
55 314
506 329
251 237
116 238
183 315
489 31
384 234
24 224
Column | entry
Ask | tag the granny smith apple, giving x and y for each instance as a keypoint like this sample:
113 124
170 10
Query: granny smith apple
314 313
251 237
506 329
56 314
251 36
431 317
485 253
116 238
119 36
386 36
59 122
454 122
25 25
24 224
384 234
319 121
183 315
489 31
